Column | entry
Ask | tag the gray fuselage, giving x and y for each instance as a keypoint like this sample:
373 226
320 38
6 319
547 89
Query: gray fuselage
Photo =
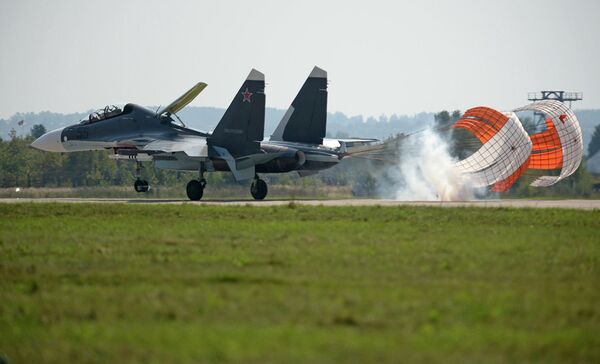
131 131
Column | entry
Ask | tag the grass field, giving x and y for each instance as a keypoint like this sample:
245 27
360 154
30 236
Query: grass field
131 283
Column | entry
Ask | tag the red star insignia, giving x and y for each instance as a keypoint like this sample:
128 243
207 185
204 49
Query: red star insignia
247 95
562 118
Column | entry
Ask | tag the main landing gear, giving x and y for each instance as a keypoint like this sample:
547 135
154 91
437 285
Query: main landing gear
140 185
195 187
258 189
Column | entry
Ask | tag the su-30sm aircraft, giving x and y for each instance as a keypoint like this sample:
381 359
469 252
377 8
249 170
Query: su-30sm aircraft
236 144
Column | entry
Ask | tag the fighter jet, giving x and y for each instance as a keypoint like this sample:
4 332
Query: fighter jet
236 144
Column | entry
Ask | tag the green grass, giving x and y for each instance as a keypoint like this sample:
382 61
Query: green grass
161 283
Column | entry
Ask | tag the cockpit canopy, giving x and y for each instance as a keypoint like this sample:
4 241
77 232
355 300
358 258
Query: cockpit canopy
108 111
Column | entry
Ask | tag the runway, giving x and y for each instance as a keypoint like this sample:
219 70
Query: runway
516 203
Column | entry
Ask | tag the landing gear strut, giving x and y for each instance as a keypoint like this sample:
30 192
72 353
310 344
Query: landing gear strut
195 187
140 185
258 189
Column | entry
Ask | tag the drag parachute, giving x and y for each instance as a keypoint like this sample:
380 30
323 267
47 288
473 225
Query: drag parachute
560 146
507 150
505 145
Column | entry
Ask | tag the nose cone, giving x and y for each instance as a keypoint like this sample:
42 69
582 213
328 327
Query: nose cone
50 142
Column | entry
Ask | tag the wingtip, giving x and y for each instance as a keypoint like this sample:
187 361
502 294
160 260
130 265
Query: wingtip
255 75
318 73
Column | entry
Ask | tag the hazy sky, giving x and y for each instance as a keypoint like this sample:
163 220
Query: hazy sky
382 56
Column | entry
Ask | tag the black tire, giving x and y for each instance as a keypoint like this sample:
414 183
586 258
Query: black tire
194 190
139 185
259 189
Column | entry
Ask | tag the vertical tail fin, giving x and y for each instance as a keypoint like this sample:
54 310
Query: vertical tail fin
306 119
241 128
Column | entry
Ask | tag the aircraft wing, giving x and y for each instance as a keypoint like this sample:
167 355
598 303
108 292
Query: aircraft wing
192 146
183 100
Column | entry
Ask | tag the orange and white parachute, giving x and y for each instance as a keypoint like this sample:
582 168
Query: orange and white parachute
559 146
507 150
505 145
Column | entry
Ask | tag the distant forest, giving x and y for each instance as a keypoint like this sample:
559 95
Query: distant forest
21 166
339 125
206 118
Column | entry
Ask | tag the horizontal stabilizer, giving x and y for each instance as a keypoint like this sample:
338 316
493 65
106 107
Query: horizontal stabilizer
355 146
238 173
254 159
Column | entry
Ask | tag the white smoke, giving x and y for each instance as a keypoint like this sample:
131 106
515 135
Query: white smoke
426 172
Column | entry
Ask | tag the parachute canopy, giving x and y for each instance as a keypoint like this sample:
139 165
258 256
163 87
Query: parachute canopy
507 150
560 146
506 145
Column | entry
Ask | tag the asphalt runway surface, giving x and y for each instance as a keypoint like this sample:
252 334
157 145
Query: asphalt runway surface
517 203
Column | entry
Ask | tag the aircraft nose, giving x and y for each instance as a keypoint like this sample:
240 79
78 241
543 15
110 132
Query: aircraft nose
50 142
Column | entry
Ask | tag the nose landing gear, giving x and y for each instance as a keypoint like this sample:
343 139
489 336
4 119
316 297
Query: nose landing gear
258 189
140 185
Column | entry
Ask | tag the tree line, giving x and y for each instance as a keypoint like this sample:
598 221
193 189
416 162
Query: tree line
22 166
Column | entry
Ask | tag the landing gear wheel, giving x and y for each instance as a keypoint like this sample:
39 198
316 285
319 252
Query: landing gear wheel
259 189
195 190
141 186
